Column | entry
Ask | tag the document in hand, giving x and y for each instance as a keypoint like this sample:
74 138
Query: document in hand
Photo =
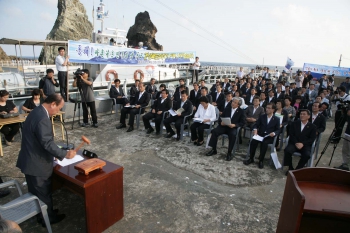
226 120
259 138
174 113
129 106
195 119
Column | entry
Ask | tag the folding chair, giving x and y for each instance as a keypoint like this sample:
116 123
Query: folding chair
236 145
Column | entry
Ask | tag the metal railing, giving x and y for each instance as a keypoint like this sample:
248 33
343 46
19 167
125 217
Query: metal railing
20 63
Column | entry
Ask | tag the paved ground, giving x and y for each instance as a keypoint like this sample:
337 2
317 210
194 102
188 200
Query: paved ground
172 186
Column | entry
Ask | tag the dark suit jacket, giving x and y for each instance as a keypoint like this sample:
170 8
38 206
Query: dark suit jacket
247 99
113 93
159 106
193 96
281 96
264 104
225 86
319 122
38 147
133 91
178 89
238 117
307 136
199 96
150 89
258 112
188 107
285 117
222 107
264 128
273 100
177 97
220 98
143 101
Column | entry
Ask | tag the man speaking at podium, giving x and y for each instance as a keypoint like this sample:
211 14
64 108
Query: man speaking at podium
38 151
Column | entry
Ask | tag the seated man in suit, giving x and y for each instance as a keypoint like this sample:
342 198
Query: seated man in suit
263 101
217 96
250 97
194 93
213 88
177 95
151 88
302 134
116 92
159 93
134 89
254 112
279 94
267 124
271 98
161 105
186 105
204 92
246 90
181 82
140 101
317 119
312 93
237 116
202 84
226 103
225 85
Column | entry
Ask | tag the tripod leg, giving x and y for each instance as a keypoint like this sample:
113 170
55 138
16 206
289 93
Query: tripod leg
334 147
75 108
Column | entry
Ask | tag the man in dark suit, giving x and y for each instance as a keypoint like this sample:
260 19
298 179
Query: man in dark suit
302 134
158 94
134 89
263 101
177 95
181 82
250 97
279 94
116 92
204 92
151 88
140 101
225 85
317 119
254 112
237 116
37 152
226 103
213 88
161 105
194 93
217 96
267 124
187 107
271 97
245 90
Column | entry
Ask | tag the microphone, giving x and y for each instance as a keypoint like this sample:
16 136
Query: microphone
69 146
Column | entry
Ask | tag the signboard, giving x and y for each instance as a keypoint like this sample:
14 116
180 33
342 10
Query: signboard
328 70
84 52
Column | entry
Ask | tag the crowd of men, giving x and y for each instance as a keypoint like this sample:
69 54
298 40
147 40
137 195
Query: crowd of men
299 103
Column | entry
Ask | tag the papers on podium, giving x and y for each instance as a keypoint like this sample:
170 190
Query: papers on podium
226 120
66 162
174 113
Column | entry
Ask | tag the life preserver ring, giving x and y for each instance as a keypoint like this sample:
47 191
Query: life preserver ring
142 75
111 72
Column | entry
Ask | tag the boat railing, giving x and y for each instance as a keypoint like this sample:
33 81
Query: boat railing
19 62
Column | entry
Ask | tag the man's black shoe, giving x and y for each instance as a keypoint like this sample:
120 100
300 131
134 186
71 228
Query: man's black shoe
178 138
170 135
95 125
131 128
4 193
150 130
229 157
121 126
261 165
157 133
212 152
249 161
58 218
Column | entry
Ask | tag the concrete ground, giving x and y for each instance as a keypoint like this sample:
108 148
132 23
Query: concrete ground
172 186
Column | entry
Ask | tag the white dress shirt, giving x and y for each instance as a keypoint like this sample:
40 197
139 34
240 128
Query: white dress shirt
141 93
233 112
314 117
302 125
59 63
208 113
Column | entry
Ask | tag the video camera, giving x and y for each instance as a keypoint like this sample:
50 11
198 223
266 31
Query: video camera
78 73
343 105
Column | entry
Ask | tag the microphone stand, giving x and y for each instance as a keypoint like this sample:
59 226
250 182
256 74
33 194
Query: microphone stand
69 146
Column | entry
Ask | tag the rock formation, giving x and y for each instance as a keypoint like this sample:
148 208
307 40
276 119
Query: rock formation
143 31
3 55
72 23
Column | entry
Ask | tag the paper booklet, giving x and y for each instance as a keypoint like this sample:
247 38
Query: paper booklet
226 120
174 113
130 106
195 119
259 138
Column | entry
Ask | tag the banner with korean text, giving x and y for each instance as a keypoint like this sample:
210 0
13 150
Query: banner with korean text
84 52
328 70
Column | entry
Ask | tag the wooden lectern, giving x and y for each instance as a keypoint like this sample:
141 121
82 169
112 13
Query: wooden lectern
316 200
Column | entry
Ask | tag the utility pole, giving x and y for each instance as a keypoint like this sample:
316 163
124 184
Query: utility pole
339 60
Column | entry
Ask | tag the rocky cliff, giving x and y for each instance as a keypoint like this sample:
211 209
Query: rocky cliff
143 31
3 55
72 23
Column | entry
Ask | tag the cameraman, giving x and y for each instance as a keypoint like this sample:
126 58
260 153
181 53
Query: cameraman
341 96
84 83
346 146
48 83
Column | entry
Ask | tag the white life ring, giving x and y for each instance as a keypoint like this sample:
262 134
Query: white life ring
111 72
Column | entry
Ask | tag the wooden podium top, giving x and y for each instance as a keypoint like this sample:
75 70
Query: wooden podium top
71 174
326 198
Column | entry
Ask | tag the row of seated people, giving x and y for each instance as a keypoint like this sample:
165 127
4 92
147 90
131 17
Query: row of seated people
206 112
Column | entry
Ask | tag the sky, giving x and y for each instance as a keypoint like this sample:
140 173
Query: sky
250 32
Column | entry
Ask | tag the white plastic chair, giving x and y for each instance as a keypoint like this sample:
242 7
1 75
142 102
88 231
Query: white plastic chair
23 207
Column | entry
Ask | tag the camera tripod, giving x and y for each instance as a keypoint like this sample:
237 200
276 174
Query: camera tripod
331 137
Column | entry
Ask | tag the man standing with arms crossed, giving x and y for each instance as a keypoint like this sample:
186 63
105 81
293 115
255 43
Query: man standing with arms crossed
38 151
61 65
